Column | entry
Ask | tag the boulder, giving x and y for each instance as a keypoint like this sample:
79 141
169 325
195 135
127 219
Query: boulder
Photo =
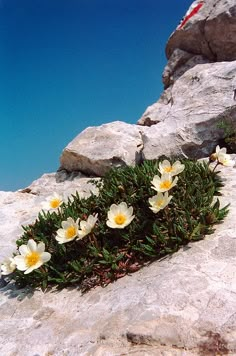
179 62
207 33
97 149
188 112
209 29
182 122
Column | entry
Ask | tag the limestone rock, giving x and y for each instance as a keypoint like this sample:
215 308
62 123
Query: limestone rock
186 118
62 182
179 62
97 149
188 112
209 29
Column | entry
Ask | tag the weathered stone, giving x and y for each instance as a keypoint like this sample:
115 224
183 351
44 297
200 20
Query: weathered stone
97 149
179 62
62 182
188 114
183 305
210 31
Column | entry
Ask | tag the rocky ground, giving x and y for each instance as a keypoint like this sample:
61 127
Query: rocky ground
182 305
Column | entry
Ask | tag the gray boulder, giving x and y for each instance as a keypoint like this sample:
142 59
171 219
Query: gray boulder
97 149
208 29
207 33
188 112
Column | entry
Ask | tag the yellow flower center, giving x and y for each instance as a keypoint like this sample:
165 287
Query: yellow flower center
70 232
55 203
159 203
166 184
120 219
168 169
32 258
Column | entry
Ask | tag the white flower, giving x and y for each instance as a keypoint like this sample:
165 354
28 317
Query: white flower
53 202
8 266
174 169
159 201
69 231
87 226
214 156
225 160
119 216
163 183
31 256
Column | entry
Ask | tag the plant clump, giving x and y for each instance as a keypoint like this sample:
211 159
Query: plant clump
130 223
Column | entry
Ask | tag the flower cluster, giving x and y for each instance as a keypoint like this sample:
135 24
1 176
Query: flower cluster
75 229
119 216
162 184
221 157
32 255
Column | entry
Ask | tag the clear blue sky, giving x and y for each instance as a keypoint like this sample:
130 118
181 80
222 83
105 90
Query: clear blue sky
69 64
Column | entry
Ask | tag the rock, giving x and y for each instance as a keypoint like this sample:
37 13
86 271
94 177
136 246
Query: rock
208 29
183 305
184 125
62 182
97 149
188 112
179 62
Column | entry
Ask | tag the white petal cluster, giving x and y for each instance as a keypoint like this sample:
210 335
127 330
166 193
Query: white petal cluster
163 183
174 169
86 226
225 160
31 257
8 266
159 201
119 216
222 157
69 231
53 202
219 151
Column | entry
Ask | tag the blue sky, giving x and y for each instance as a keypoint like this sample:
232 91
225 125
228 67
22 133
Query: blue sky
69 64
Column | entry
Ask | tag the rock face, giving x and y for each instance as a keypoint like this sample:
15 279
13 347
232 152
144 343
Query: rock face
97 149
183 305
209 29
188 111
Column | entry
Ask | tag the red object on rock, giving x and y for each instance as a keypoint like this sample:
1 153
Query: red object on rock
191 14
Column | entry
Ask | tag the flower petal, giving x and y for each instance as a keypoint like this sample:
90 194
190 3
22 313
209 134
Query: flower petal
23 249
45 257
41 247
32 245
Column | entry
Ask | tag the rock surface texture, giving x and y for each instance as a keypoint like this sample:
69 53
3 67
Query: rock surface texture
97 149
183 305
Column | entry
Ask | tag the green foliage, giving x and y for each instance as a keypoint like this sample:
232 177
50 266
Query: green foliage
107 254
229 134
